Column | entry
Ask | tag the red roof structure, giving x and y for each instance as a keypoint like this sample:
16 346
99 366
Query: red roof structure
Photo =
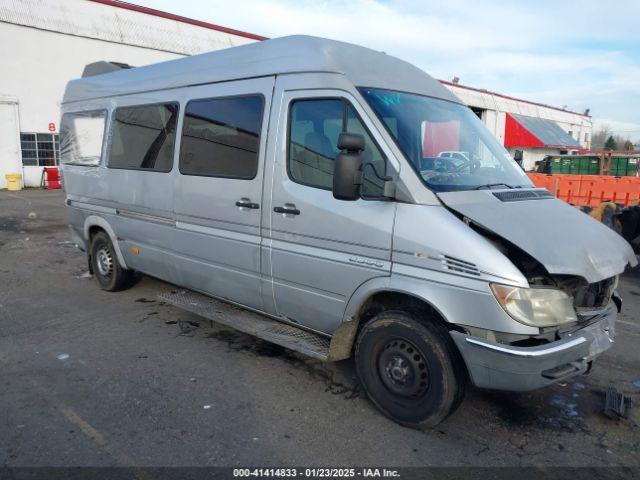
178 18
523 131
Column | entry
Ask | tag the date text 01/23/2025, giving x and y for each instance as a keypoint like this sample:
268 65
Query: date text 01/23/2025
316 472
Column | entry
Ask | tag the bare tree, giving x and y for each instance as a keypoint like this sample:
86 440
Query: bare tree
599 137
604 138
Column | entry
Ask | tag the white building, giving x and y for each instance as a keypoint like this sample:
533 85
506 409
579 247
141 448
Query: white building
536 129
45 43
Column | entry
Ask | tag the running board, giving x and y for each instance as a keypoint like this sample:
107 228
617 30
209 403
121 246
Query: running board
245 321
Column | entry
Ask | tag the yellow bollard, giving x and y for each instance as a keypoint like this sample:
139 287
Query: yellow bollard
14 182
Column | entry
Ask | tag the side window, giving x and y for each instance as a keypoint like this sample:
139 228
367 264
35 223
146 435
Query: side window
81 136
372 186
143 137
314 127
313 139
221 137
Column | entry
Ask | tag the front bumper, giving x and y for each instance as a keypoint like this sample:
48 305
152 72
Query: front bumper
505 367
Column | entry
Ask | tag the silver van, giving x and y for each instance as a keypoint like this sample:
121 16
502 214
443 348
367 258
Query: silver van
301 178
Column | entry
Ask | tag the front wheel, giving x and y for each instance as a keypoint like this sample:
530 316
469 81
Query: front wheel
410 370
104 263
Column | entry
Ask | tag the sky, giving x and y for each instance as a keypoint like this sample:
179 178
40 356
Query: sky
572 54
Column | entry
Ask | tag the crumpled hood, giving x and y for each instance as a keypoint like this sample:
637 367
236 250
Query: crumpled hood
561 237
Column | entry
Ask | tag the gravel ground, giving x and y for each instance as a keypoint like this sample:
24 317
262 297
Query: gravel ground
90 378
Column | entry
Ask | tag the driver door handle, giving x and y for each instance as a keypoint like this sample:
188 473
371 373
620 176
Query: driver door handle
247 203
287 210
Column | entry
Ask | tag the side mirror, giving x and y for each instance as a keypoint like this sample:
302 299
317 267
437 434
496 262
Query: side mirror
347 171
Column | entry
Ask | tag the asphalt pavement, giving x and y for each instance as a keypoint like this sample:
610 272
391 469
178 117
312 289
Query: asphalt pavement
91 378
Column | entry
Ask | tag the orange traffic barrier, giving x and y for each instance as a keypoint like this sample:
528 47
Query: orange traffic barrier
595 189
544 180
589 189
628 190
569 189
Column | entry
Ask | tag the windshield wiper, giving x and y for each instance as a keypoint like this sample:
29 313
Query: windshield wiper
489 185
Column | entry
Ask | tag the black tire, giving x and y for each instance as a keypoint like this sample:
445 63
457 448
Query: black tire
411 370
105 266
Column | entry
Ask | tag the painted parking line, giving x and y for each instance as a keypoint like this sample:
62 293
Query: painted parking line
91 432
99 439
635 325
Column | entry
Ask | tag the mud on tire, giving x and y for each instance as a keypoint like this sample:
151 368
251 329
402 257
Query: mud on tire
410 369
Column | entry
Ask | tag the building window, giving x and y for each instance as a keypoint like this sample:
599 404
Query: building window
143 137
40 149
478 111
586 137
221 137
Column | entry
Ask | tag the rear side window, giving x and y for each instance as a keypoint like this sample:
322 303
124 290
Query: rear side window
143 137
314 127
81 136
221 137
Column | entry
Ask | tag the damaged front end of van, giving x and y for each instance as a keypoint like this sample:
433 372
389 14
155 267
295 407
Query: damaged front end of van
571 264
534 297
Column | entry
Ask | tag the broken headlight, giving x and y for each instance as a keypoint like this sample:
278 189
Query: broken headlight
537 307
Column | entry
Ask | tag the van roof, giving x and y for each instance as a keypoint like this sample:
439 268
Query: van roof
293 54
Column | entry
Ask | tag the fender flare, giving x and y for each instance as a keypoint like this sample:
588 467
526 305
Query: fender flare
96 221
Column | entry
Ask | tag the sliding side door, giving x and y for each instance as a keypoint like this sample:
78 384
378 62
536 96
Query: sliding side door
218 189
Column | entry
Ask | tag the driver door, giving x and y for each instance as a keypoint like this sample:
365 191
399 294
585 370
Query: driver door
322 249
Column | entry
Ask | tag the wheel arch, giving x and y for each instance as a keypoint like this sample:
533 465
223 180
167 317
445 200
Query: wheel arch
93 223
373 297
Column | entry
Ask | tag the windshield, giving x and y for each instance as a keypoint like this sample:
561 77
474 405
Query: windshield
445 142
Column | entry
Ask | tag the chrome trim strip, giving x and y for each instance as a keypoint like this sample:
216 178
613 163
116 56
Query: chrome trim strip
523 352
219 232
144 216
327 254
90 207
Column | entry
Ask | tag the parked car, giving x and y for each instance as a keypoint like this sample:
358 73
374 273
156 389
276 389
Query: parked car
461 156
292 177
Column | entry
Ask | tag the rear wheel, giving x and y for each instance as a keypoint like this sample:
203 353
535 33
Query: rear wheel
104 263
411 371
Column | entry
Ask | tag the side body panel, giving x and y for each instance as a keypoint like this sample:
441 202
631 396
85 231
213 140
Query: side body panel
216 242
438 259
138 205
187 229
319 257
